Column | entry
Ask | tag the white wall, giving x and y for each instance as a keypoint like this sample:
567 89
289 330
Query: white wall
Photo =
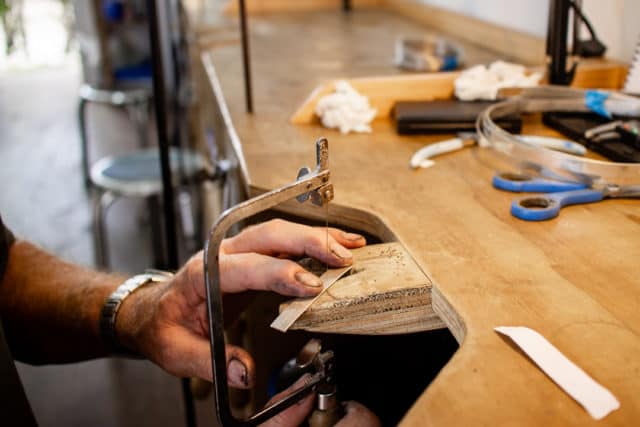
617 22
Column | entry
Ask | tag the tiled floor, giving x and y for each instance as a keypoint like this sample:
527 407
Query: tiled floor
43 200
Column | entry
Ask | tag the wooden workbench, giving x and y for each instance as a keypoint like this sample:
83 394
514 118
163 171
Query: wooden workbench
575 279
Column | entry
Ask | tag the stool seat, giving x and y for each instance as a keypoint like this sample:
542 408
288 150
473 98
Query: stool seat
138 174
135 101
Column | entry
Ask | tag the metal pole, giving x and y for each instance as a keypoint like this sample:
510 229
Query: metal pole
557 42
246 60
160 105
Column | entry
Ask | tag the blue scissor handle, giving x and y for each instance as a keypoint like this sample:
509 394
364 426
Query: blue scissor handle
547 206
519 183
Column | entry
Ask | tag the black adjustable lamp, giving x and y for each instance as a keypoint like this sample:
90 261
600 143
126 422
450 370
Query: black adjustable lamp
561 73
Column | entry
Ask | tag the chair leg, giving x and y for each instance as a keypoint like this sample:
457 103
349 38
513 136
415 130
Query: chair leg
82 124
139 114
186 213
101 203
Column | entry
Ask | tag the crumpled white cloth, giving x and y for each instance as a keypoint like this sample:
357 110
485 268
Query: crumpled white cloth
345 109
480 82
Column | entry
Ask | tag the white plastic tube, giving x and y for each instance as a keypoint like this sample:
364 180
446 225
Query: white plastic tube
421 158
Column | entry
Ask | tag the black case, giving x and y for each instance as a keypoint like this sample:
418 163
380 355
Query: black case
573 125
428 117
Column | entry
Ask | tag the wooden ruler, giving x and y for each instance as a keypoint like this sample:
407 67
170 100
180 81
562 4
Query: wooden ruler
289 315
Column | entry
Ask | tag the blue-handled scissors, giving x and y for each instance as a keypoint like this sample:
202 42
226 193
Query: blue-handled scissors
523 183
558 194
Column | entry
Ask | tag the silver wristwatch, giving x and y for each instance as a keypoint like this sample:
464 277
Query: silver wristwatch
109 311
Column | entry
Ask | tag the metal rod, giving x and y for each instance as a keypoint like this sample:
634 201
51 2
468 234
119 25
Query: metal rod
189 407
246 60
160 105
557 42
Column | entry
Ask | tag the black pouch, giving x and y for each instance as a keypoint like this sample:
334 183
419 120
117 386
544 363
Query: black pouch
446 116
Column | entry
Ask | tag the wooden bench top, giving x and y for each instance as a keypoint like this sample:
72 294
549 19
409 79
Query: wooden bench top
574 279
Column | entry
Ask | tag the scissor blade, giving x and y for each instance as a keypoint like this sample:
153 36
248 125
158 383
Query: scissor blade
624 192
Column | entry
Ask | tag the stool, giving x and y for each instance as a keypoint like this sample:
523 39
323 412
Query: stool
135 101
137 174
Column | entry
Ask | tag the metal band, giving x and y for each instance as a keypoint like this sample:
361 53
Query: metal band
112 305
542 161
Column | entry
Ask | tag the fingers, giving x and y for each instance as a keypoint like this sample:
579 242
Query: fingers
188 355
349 240
183 353
243 268
247 271
240 367
357 415
252 271
294 415
278 236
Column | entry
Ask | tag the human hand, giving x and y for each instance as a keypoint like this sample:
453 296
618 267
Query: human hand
296 413
168 322
357 415
256 258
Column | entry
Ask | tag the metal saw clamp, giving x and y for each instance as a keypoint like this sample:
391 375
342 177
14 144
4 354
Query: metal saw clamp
312 185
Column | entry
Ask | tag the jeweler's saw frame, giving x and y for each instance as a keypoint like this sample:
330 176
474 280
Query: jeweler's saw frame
312 185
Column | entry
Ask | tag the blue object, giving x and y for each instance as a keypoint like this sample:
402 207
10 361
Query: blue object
113 10
594 100
141 71
547 206
544 206
449 62
520 183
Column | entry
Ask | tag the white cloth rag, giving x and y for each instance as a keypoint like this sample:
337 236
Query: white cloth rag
481 82
345 109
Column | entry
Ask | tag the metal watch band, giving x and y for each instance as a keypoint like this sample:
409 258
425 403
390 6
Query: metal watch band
112 305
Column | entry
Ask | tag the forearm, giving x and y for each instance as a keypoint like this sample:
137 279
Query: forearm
50 308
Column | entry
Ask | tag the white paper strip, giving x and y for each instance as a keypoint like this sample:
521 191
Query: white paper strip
597 400
290 314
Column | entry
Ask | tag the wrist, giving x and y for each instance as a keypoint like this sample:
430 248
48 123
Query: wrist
127 311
